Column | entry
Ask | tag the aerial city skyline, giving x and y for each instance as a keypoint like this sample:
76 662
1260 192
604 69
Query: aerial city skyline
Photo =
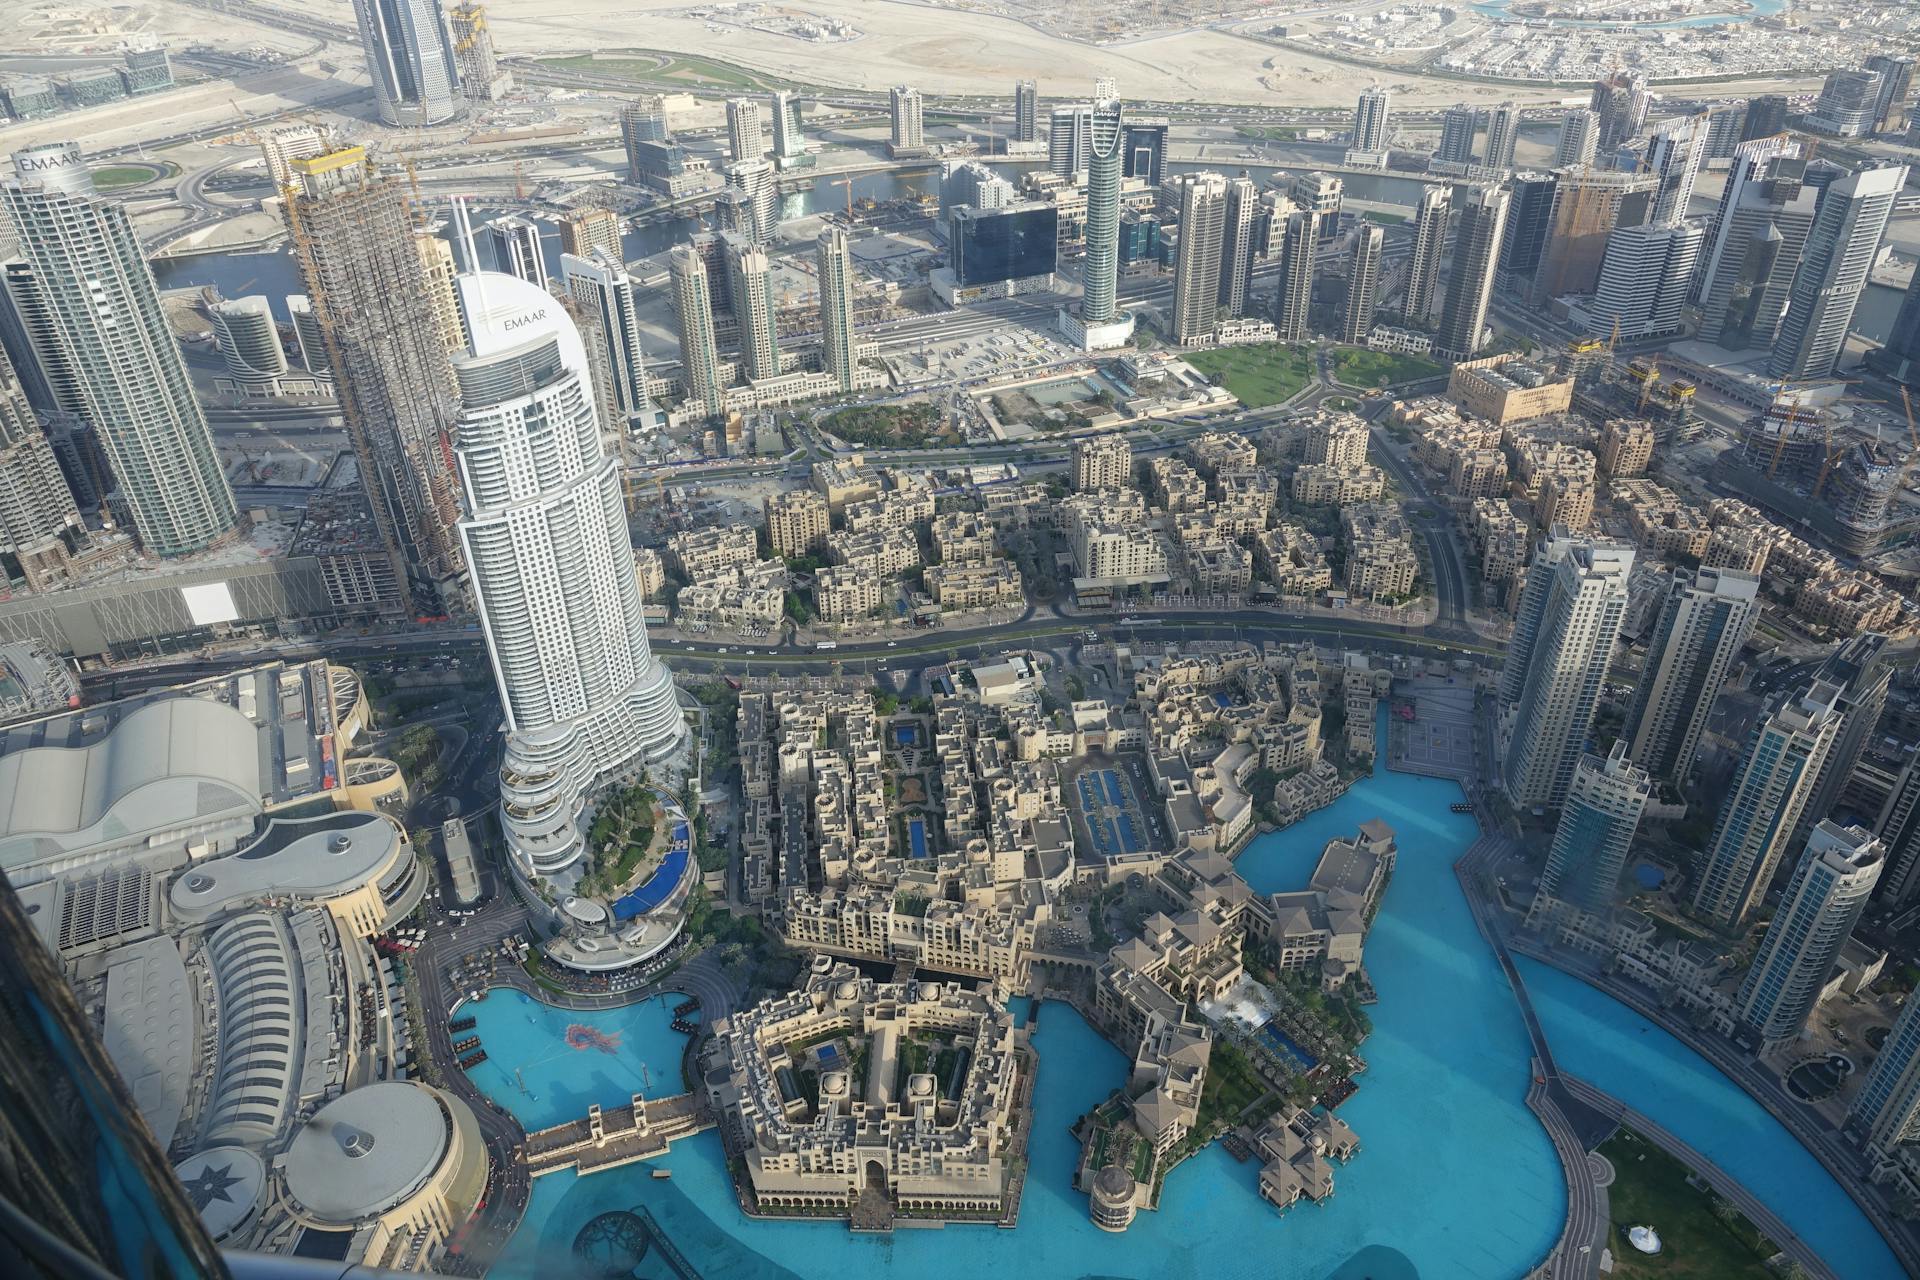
665 641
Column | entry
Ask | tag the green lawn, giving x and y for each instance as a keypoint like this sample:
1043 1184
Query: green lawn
1258 375
1650 1188
1358 367
114 177
649 65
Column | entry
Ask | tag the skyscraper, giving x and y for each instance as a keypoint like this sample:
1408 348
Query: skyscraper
1476 251
477 67
1458 124
1758 815
1196 265
1146 146
1849 103
755 179
1299 242
589 227
749 281
1430 218
836 306
43 540
1529 215
1620 101
1674 153
598 282
746 136
1766 116
516 248
387 346
1370 120
410 60
789 145
545 532
249 342
1898 828
1708 616
1588 204
1817 914
906 133
1758 235
1503 132
1886 1112
1642 289
1579 136
1595 831
96 294
693 306
1026 111
1565 625
1833 272
1863 679
1100 322
1900 357
1896 90
1069 131
1237 245
1363 274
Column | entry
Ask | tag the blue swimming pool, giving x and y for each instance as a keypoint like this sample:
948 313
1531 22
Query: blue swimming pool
917 836
1288 1047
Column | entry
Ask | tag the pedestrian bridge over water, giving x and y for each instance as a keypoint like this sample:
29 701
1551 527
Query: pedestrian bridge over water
644 1129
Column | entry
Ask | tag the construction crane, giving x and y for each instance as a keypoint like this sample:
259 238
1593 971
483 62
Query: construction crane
847 183
1906 402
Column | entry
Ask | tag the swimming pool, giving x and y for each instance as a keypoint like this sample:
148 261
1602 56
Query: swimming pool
917 836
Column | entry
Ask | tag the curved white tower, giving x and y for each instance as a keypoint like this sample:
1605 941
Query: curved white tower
545 534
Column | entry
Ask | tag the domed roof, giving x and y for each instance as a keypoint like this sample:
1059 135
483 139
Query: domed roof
368 1151
225 1185
1113 1183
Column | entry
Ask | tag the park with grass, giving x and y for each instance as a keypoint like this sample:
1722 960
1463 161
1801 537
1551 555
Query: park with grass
651 66
1702 1237
1359 367
916 424
1260 375
120 177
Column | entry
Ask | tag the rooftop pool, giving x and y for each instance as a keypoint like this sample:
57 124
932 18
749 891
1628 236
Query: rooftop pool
1454 1178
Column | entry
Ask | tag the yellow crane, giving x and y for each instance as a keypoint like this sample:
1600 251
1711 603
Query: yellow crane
846 183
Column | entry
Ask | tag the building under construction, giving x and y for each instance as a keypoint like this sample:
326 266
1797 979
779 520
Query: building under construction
1797 461
1588 203
354 236
481 77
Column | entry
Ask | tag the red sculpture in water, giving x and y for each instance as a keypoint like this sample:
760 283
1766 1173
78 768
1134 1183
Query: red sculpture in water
581 1036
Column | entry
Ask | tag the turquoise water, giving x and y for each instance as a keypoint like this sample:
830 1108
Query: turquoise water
554 1081
1603 1042
1760 8
1454 1175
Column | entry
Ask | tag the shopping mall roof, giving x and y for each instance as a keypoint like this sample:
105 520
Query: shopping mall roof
149 1030
310 858
367 1151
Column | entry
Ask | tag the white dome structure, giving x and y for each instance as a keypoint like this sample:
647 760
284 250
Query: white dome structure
1645 1239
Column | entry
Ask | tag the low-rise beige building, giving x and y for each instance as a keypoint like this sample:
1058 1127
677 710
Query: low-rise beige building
1661 523
1102 462
707 553
1381 562
1509 388
975 584
798 521
1626 446
848 593
1320 484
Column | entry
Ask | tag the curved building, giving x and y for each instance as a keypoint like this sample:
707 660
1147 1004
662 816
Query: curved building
1100 322
410 60
249 341
392 1169
359 866
266 1031
545 534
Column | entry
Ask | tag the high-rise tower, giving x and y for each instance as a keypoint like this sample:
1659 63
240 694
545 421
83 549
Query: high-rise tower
836 306
387 347
1579 136
1595 832
1100 322
746 136
411 61
1196 265
1567 620
1370 120
1237 247
1430 219
1674 155
517 250
907 134
1823 902
93 289
789 145
1299 242
1833 272
601 286
1886 1112
481 78
1458 124
1026 112
1620 101
1476 252
1863 678
1758 815
1363 273
693 305
748 279
546 535
1503 132
43 541
1707 617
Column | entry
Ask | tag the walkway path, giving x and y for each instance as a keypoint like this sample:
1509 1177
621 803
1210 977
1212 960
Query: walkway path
1576 1254
1822 1142
1724 1184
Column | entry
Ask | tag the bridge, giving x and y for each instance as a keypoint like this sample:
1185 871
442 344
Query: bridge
609 1138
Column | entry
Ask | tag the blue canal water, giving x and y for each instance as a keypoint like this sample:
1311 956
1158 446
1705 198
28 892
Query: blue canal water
1454 1177
1601 1041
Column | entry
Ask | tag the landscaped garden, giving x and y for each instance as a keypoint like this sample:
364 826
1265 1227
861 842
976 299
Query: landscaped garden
893 425
1268 373
1358 367
1702 1237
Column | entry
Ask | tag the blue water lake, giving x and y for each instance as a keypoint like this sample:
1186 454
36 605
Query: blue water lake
1454 1178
